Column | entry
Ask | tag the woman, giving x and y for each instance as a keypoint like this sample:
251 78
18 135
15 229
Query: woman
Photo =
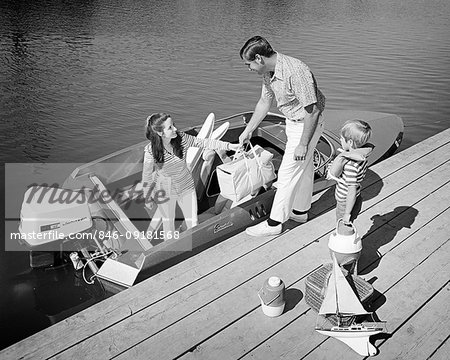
165 170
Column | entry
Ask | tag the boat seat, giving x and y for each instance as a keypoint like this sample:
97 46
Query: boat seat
210 157
201 171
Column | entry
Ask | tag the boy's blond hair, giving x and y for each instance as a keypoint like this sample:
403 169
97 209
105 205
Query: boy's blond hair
357 130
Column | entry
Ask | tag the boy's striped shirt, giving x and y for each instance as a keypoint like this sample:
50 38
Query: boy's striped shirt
353 174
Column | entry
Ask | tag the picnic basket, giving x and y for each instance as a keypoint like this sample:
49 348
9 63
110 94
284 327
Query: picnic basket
317 281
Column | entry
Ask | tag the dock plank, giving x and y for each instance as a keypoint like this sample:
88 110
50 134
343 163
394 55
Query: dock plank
442 352
418 337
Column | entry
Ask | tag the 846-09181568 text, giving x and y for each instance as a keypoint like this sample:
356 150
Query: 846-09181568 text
150 235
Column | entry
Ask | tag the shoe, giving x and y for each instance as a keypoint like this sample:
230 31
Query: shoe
263 229
301 219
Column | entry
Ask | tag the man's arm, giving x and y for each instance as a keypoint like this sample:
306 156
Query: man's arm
261 110
310 122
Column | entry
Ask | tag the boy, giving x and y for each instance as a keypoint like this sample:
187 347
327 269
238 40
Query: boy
349 169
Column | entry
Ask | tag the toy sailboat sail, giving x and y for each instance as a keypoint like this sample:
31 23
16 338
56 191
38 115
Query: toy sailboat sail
341 301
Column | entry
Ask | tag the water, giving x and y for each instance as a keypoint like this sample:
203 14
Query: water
77 80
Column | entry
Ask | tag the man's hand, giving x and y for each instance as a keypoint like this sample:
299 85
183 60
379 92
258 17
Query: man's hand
300 152
244 137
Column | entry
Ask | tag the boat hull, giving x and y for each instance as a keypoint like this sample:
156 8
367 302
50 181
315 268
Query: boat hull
349 333
358 341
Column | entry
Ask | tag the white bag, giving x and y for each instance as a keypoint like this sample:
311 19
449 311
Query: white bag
246 173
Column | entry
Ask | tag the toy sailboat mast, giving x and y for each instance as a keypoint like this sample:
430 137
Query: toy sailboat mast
340 298
341 301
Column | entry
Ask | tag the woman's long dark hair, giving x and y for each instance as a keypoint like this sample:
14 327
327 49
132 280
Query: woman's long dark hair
155 124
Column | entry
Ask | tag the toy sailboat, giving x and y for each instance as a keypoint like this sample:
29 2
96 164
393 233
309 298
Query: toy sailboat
342 303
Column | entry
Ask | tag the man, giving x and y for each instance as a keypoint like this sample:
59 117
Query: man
290 82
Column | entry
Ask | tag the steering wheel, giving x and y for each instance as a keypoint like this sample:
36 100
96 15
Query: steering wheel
320 160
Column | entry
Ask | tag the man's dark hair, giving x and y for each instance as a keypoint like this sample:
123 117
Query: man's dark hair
256 45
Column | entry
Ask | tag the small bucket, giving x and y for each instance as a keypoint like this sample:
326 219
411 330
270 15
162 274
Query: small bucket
272 296
345 243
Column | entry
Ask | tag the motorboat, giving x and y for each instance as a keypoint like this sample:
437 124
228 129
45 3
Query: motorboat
119 250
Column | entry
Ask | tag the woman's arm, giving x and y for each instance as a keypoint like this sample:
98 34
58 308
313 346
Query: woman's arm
209 143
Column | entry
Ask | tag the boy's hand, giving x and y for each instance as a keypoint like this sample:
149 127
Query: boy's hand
346 219
331 177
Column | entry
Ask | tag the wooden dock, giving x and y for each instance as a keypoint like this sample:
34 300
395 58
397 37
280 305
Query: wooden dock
207 306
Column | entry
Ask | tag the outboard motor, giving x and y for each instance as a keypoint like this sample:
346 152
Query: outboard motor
51 214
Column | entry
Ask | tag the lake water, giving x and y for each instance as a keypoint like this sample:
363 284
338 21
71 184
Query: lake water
78 78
